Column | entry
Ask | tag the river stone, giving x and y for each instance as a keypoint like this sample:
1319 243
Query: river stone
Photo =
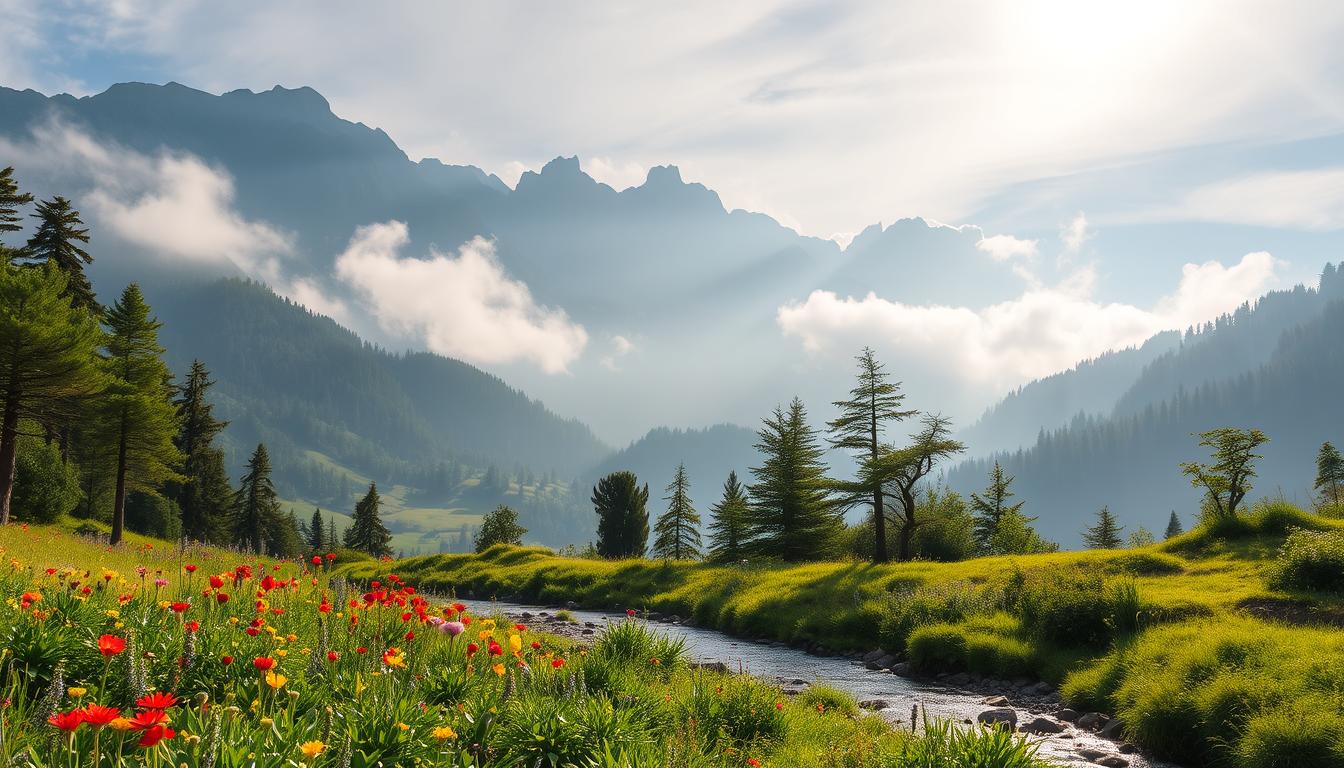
1113 730
1067 715
1091 753
996 701
873 655
874 704
1042 725
1112 761
1093 721
1127 748
998 716
901 668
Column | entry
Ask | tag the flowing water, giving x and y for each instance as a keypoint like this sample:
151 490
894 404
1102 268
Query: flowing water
772 661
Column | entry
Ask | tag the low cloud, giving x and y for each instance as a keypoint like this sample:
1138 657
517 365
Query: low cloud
1074 234
620 347
464 306
171 205
1307 200
1006 247
1043 331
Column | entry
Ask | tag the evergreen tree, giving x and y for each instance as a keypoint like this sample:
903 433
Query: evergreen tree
317 539
872 403
1330 474
1105 534
678 529
499 526
990 508
47 359
903 470
791 516
1228 479
57 241
333 541
203 501
367 532
287 537
1173 526
256 505
137 420
728 522
1013 535
622 517
10 201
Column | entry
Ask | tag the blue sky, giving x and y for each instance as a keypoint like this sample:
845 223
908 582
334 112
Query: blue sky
1134 161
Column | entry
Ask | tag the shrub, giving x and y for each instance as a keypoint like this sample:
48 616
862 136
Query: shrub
1070 608
949 603
1308 735
937 647
1310 560
829 699
44 486
947 744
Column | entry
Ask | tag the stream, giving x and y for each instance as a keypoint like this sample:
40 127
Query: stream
791 666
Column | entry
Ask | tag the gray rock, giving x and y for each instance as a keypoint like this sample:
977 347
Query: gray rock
1067 715
901 668
874 704
886 661
1091 753
998 716
1112 761
1093 721
959 680
1127 748
1113 730
996 701
1042 725
873 655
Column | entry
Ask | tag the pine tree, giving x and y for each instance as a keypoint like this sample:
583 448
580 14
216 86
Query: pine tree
903 470
1013 535
1173 526
256 505
367 532
1330 474
333 541
678 529
863 418
499 526
1226 481
56 241
622 516
1105 534
990 508
791 516
317 539
47 359
728 522
137 420
10 201
205 505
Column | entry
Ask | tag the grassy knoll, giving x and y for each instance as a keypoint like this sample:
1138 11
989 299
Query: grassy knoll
1202 644
209 658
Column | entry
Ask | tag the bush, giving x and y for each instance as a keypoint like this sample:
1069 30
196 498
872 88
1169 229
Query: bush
947 744
1308 735
828 699
44 487
944 604
937 647
1073 609
1311 561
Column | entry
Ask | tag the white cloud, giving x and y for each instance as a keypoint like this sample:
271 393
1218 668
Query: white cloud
620 347
614 173
464 306
172 205
1005 247
1074 234
1310 200
1045 330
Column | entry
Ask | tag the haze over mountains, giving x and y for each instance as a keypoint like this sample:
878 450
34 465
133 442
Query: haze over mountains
622 310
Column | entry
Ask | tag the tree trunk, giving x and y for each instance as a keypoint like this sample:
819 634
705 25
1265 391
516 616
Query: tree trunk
908 523
879 512
9 451
119 503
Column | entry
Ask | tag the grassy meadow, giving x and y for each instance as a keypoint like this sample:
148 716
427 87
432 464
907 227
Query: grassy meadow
1210 647
148 654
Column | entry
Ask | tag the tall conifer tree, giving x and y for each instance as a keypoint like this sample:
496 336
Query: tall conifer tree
728 522
622 515
873 403
204 503
136 420
256 506
990 508
678 529
1105 533
58 240
791 516
367 532
10 201
1330 474
317 533
1173 526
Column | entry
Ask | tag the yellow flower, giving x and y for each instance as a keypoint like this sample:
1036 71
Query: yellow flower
282 653
499 669
274 680
515 644
113 613
311 749
120 724
488 624
484 634
164 604
444 733
291 637
233 620
75 692
119 625
403 726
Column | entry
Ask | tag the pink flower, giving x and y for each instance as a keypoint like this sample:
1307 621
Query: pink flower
452 628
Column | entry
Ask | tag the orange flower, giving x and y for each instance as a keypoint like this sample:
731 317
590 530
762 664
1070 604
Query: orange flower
98 715
263 663
157 700
148 719
67 721
111 645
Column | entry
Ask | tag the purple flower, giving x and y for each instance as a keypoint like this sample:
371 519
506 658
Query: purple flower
452 628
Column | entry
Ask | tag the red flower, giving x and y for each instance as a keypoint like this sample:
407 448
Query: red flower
216 581
190 568
331 555
472 648
149 718
97 715
317 559
67 721
557 663
495 650
361 649
459 607
263 663
536 646
221 598
157 700
410 636
253 631
630 612
520 627
193 625
180 607
111 645
156 734
226 660
51 571
753 762
375 584
333 656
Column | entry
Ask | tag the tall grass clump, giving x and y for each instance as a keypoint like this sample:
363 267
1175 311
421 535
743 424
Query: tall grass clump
950 603
1310 561
947 745
1072 608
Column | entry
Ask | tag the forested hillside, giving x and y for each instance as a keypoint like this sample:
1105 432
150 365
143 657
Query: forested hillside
1277 367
